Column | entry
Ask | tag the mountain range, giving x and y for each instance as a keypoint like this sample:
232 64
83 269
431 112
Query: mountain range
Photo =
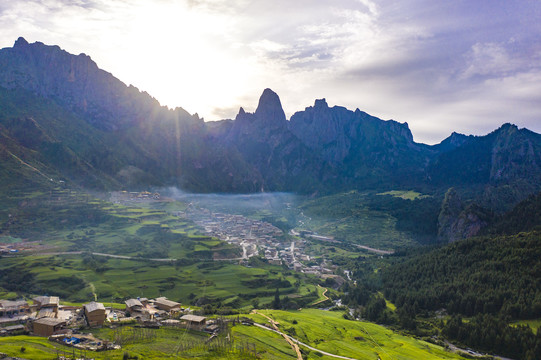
62 119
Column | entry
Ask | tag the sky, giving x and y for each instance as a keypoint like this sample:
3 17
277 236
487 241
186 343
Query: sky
441 66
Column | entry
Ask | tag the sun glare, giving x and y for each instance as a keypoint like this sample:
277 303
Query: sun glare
183 57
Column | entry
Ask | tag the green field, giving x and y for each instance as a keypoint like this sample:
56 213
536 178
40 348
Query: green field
533 324
328 331
347 217
74 225
164 345
405 194
118 279
404 218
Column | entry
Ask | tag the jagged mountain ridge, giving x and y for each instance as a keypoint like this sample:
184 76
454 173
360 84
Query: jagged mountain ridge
136 142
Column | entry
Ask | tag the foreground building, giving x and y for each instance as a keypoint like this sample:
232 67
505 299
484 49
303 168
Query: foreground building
95 313
47 326
163 303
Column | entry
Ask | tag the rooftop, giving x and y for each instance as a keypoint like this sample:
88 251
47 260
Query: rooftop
93 306
166 302
193 318
49 321
133 302
8 303
47 300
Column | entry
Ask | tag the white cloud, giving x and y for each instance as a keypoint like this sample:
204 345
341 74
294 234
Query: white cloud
439 66
489 59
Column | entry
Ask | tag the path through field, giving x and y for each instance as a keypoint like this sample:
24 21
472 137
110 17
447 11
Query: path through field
292 341
325 296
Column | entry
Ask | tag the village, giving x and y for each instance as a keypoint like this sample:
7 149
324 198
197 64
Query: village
255 237
261 238
69 325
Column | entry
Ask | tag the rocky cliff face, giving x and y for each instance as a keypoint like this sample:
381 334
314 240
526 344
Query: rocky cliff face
264 141
506 154
337 131
457 222
363 148
515 154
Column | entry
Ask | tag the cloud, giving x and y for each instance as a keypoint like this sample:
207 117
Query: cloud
440 66
490 59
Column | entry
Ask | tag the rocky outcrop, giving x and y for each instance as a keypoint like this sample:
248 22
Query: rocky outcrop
515 154
452 142
457 222
264 141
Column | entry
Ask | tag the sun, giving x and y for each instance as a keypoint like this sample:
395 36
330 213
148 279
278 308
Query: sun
183 57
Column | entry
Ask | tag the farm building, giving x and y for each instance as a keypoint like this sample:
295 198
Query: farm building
47 326
10 308
95 313
143 301
12 330
50 303
133 305
163 304
194 320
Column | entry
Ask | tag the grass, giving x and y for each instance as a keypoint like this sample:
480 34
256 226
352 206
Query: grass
270 345
116 306
73 221
9 240
163 346
405 194
347 217
329 331
122 279
533 324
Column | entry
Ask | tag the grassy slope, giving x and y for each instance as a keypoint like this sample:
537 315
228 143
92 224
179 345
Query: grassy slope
346 217
329 331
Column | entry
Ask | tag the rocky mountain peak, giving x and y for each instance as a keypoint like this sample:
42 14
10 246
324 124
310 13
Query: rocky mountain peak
452 142
20 42
321 104
269 109
509 126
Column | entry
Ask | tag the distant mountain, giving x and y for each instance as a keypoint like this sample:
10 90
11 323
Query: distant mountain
364 149
76 83
63 115
506 154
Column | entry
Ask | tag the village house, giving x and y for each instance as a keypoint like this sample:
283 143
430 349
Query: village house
13 308
49 303
95 313
47 326
163 303
12 330
194 321
143 301
134 305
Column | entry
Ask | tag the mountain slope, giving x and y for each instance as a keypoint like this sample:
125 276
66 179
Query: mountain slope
504 155
87 126
366 149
